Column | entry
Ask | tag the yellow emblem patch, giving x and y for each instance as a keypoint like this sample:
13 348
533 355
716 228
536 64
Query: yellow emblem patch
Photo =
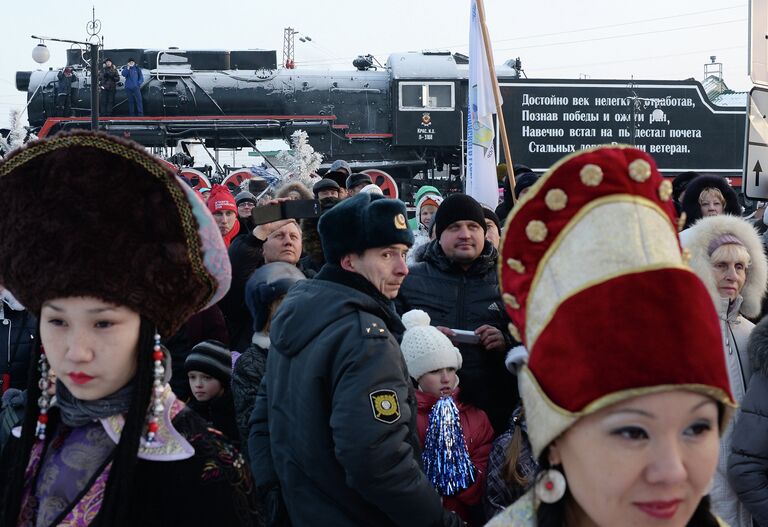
400 222
385 406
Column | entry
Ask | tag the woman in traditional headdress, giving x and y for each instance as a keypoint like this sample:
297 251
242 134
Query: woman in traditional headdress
109 270
625 387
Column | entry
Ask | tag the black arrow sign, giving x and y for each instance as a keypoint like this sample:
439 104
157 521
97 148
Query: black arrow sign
757 171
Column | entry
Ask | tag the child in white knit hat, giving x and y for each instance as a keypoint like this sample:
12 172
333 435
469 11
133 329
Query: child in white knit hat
433 361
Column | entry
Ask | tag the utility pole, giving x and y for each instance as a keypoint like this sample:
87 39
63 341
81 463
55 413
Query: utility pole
288 48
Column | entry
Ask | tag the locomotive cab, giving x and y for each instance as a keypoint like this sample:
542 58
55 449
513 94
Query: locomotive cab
427 109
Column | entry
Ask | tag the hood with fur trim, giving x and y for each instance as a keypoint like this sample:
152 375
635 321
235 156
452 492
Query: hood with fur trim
697 239
286 189
690 203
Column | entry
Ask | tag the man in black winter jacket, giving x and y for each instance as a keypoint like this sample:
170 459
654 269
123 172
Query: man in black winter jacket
108 79
457 285
17 338
334 421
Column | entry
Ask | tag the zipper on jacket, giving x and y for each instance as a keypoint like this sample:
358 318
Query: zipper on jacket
732 339
460 300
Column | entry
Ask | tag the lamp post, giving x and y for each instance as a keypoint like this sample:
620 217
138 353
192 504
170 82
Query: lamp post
40 54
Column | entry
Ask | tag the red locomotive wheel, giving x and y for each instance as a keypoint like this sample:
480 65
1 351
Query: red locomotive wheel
386 182
196 178
233 180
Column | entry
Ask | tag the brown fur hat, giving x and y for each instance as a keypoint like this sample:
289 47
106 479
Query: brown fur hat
87 214
286 189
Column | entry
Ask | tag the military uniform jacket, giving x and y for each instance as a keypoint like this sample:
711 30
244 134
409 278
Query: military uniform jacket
337 413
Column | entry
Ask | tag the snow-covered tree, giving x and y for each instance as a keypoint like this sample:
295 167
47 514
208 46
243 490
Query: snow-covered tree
16 135
301 160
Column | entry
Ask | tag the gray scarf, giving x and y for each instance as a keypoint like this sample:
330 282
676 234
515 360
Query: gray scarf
76 412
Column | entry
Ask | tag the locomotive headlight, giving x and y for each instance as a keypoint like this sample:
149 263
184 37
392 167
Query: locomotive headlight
40 53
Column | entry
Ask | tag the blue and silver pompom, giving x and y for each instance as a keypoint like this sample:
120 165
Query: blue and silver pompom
445 456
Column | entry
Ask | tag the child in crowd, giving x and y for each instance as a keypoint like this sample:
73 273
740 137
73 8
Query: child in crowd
511 466
426 208
264 292
209 370
433 361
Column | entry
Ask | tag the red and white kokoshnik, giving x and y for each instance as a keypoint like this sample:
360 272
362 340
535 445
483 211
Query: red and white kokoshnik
597 288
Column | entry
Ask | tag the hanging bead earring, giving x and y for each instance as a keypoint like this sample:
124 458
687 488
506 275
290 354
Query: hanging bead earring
551 486
156 406
44 402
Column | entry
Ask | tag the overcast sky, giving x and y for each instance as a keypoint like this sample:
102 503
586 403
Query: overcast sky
652 39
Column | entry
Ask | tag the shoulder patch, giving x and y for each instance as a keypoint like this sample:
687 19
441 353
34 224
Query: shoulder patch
385 406
373 327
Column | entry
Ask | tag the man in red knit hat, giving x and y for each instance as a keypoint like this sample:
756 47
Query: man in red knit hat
222 205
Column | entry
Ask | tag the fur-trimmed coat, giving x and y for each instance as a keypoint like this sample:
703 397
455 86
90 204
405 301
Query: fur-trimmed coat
735 329
748 459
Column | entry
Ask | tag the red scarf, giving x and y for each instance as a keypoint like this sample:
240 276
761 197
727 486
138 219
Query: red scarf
232 233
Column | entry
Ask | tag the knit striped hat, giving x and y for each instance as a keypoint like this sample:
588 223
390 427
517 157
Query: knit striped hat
212 358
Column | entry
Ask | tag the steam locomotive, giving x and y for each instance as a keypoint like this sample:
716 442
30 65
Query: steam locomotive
407 118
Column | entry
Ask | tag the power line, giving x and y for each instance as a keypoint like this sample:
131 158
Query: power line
607 26
340 60
595 39
638 59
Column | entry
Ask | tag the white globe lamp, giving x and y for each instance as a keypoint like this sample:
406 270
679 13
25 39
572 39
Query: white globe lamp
40 53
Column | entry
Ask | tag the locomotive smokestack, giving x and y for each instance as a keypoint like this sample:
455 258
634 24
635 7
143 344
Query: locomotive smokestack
22 80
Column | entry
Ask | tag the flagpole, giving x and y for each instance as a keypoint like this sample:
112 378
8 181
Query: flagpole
496 97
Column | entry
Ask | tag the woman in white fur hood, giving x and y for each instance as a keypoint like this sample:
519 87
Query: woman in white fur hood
727 254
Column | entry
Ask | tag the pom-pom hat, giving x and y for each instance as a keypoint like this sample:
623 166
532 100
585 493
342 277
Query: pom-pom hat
149 244
425 348
596 234
221 199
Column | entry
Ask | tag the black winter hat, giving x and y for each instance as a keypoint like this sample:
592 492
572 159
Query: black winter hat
358 179
244 196
362 222
491 215
681 182
325 184
523 181
212 358
339 176
458 207
519 168
691 207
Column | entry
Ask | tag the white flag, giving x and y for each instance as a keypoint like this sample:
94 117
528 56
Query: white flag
481 182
